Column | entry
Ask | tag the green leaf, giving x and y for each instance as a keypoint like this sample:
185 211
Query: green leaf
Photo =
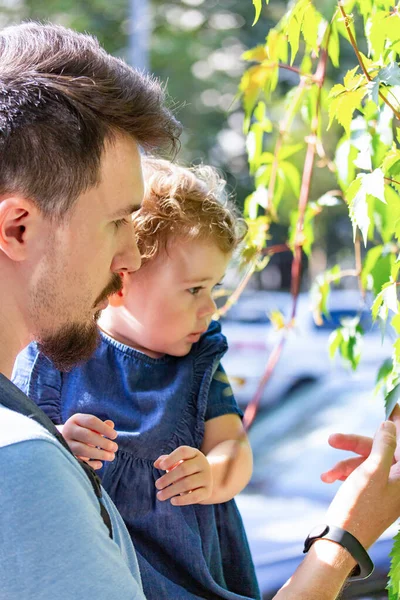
374 184
343 105
310 27
358 208
389 292
389 75
292 176
384 370
334 342
293 27
345 155
256 54
377 268
390 402
376 306
375 33
287 151
393 586
257 6
395 322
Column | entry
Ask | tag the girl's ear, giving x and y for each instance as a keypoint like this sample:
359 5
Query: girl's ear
118 299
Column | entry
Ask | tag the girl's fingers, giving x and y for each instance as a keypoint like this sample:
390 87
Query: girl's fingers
342 470
158 461
188 484
105 428
183 470
358 444
90 452
91 438
194 497
181 453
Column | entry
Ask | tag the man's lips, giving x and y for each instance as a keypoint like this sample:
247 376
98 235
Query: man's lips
102 305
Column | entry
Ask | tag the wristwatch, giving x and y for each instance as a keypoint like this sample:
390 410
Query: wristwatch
364 567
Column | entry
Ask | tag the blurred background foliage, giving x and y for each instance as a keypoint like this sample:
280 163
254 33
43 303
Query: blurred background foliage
196 48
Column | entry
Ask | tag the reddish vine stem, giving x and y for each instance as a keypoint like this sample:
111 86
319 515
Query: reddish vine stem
252 408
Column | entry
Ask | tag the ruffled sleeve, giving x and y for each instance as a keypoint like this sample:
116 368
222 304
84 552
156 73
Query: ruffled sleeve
36 376
221 400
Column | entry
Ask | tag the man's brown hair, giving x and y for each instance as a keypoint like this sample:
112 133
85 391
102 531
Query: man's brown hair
61 98
185 204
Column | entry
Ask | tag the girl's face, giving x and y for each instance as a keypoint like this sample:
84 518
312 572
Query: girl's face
168 303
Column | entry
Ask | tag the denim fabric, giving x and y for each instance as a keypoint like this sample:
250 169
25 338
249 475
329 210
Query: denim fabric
157 405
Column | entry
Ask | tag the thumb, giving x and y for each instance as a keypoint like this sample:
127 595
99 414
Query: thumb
383 447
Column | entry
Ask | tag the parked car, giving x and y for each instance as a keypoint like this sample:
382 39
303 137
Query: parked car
305 357
286 496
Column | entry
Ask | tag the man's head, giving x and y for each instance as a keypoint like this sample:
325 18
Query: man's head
72 120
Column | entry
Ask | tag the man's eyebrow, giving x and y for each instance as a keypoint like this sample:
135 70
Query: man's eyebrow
125 212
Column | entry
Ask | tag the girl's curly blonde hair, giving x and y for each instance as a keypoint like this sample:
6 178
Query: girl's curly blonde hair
185 204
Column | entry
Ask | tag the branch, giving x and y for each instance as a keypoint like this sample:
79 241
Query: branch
353 42
234 297
390 180
319 78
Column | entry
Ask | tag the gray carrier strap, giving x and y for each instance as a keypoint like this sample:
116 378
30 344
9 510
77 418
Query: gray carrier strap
12 398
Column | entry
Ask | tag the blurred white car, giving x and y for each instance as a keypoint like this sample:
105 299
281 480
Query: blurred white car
286 497
305 357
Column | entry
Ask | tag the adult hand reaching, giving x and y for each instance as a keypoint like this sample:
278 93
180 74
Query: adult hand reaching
365 505
360 445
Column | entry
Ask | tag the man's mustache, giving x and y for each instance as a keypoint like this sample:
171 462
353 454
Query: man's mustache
113 287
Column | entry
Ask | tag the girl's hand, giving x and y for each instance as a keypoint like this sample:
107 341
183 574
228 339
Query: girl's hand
188 479
87 435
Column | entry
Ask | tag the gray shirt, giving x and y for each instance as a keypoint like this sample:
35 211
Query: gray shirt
53 542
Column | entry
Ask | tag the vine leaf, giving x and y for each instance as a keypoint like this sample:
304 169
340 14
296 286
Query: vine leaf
390 402
365 187
257 6
345 99
389 75
393 586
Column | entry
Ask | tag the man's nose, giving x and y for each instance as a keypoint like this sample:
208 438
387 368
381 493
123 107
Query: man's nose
128 258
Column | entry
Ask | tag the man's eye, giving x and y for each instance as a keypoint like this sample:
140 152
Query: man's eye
194 290
120 222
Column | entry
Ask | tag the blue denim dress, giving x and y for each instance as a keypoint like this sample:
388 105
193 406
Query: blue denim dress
184 553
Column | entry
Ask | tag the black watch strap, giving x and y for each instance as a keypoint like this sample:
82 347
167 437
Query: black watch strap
364 567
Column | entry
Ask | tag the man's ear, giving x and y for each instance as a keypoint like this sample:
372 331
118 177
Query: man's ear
18 217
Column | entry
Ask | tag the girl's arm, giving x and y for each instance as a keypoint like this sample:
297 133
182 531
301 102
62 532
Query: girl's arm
228 452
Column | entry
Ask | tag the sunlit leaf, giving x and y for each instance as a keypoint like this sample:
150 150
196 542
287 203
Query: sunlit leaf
333 45
343 105
257 6
257 54
390 402
375 32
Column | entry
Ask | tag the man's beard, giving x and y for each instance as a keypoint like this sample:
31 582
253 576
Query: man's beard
75 343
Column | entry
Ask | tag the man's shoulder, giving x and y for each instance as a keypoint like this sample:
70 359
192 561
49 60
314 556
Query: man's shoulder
16 428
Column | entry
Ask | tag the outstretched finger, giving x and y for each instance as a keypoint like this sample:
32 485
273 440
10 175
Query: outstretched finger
359 444
342 470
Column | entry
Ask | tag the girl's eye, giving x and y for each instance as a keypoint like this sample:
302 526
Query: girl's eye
195 290
120 222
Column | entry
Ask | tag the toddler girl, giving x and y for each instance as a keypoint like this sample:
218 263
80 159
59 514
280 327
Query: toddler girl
156 376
